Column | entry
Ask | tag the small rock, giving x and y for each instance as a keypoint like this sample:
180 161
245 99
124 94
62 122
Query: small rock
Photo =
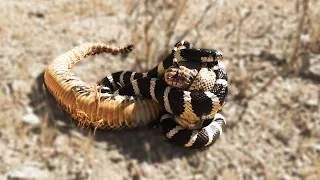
305 39
28 171
299 163
315 65
312 102
312 98
244 12
5 88
17 86
311 65
30 118
198 176
116 158
39 12
36 14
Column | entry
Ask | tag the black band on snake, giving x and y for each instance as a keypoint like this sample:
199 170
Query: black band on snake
191 84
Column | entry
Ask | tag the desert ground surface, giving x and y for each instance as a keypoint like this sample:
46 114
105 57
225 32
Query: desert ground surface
271 51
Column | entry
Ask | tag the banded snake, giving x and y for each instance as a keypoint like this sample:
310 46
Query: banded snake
130 99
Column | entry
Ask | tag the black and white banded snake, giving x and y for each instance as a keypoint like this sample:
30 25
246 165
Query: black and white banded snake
193 100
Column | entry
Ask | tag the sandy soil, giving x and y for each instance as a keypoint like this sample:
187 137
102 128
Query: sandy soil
271 51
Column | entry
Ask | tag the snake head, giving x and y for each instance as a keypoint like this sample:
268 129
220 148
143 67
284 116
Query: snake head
180 77
200 55
210 55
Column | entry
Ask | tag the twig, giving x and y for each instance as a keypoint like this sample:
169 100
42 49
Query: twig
173 22
195 25
263 88
243 16
294 58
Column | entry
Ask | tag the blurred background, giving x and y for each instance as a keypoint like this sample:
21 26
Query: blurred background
271 51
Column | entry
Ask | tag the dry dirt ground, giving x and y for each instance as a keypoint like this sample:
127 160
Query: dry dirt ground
271 51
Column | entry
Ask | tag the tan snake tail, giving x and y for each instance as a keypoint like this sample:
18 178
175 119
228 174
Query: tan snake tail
86 103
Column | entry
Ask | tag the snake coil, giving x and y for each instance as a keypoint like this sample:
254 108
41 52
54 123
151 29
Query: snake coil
129 99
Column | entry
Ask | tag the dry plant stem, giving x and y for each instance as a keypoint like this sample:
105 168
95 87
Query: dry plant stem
151 18
295 53
148 40
170 26
197 24
238 40
173 22
263 88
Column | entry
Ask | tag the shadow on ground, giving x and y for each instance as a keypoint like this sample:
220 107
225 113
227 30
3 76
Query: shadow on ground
143 144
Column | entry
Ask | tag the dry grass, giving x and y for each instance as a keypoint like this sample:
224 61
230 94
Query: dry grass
272 113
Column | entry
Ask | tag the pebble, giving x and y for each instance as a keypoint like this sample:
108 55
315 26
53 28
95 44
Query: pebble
16 86
312 102
28 171
311 65
30 118
315 65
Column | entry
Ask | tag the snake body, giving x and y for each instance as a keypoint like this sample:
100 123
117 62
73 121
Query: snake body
129 99
85 104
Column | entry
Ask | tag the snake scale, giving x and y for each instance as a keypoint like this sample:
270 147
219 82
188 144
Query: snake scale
173 93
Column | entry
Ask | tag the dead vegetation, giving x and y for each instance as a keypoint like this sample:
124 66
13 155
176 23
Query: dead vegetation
271 50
